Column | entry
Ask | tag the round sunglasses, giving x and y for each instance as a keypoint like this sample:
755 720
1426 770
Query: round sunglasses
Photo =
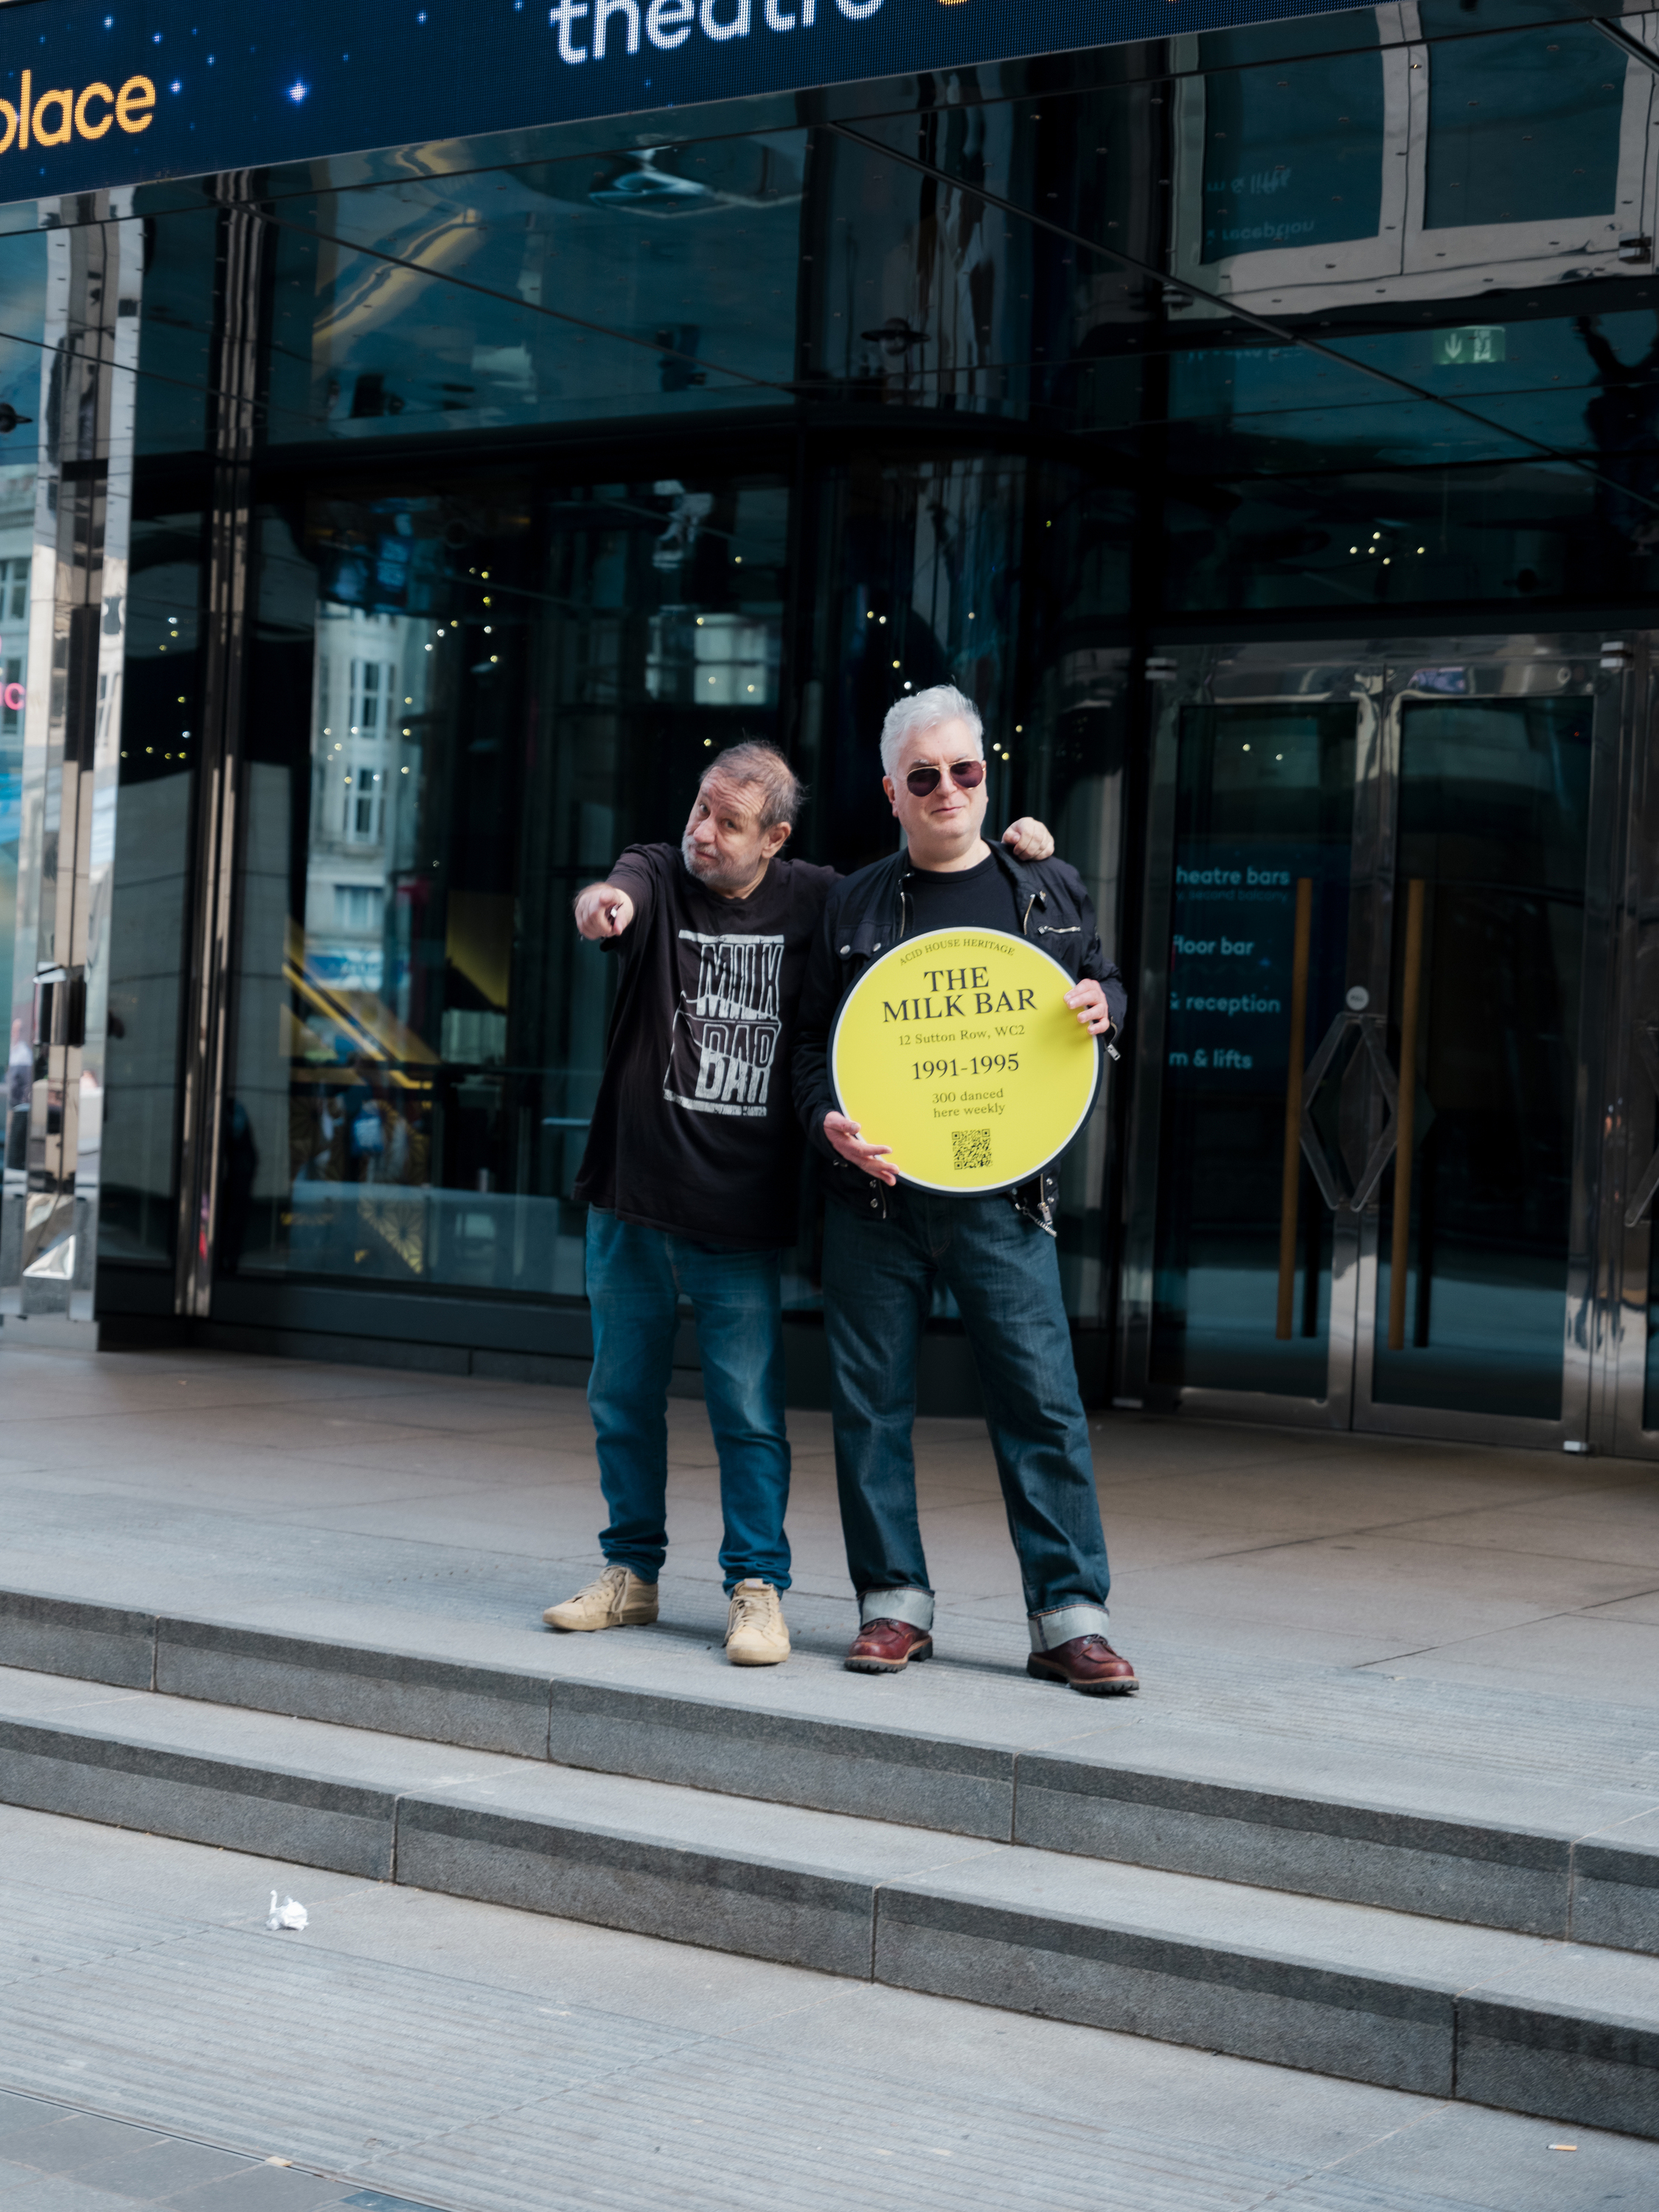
966 774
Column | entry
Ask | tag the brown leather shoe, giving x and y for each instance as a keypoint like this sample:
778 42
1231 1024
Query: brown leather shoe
887 1647
1086 1664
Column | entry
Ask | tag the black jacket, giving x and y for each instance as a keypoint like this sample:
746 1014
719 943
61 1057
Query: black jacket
866 915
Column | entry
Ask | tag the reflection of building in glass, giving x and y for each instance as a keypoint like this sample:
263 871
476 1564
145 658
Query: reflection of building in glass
17 532
371 678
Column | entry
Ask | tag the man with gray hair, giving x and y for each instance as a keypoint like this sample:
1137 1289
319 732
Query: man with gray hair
885 1244
691 1180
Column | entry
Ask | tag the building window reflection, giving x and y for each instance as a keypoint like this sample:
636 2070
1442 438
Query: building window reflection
1522 128
1291 151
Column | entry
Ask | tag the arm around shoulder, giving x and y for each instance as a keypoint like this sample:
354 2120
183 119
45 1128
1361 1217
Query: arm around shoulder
821 994
1092 963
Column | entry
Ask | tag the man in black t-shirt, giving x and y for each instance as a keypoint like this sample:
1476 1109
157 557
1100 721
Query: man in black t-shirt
886 1243
691 1179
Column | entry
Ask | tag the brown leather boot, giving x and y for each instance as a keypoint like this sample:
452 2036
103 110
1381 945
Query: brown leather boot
887 1647
1086 1664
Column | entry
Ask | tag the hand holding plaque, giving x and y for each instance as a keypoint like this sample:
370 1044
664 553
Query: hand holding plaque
957 1052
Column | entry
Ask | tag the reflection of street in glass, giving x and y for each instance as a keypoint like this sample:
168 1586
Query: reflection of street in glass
20 1079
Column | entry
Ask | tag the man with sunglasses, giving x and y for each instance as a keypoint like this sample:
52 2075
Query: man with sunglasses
886 1243
691 1179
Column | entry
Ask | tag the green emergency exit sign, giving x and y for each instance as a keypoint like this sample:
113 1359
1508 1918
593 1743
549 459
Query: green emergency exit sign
1471 347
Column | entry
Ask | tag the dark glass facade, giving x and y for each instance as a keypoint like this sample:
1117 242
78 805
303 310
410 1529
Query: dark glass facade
1263 426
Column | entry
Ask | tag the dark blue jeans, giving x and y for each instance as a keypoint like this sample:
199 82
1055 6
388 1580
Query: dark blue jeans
635 1278
1005 1273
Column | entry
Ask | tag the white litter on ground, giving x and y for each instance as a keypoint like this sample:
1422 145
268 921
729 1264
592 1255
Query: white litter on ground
288 1914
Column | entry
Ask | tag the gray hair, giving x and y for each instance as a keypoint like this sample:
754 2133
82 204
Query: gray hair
762 767
926 710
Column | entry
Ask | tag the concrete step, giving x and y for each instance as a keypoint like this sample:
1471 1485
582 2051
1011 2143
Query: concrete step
1565 2031
961 1750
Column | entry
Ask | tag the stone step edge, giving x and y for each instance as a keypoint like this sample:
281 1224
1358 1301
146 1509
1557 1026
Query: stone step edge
1590 1886
1561 2062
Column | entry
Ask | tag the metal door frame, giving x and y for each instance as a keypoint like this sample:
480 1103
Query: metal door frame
1603 1337
1617 1353
1222 675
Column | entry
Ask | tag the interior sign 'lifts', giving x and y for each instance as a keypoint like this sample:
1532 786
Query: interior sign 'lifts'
116 92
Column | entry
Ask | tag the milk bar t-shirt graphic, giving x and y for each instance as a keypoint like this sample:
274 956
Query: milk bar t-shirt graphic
726 1026
693 1130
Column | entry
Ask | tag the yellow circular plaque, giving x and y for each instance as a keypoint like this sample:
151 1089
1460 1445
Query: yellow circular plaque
957 1051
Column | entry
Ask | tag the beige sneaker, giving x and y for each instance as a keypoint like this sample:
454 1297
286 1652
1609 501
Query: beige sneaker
755 1633
618 1599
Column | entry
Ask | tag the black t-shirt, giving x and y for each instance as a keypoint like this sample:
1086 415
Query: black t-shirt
980 898
694 1131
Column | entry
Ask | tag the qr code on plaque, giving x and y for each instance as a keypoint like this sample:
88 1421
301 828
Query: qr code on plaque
971 1148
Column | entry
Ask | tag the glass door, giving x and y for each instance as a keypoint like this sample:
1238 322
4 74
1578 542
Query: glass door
1241 1255
1474 1260
1362 1192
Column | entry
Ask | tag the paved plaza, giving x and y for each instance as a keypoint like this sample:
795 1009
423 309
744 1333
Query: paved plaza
1273 1561
1327 1606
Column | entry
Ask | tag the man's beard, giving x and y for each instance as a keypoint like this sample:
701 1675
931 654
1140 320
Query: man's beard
709 869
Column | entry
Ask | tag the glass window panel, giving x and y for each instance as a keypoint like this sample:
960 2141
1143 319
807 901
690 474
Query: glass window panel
176 325
139 1210
1264 803
922 584
1493 821
22 271
1523 127
1429 536
1293 152
500 682
652 280
16 530
21 262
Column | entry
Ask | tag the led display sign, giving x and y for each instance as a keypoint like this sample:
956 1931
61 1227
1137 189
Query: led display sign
107 92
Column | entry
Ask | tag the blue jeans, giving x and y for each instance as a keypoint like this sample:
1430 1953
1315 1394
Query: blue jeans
635 1278
879 1278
